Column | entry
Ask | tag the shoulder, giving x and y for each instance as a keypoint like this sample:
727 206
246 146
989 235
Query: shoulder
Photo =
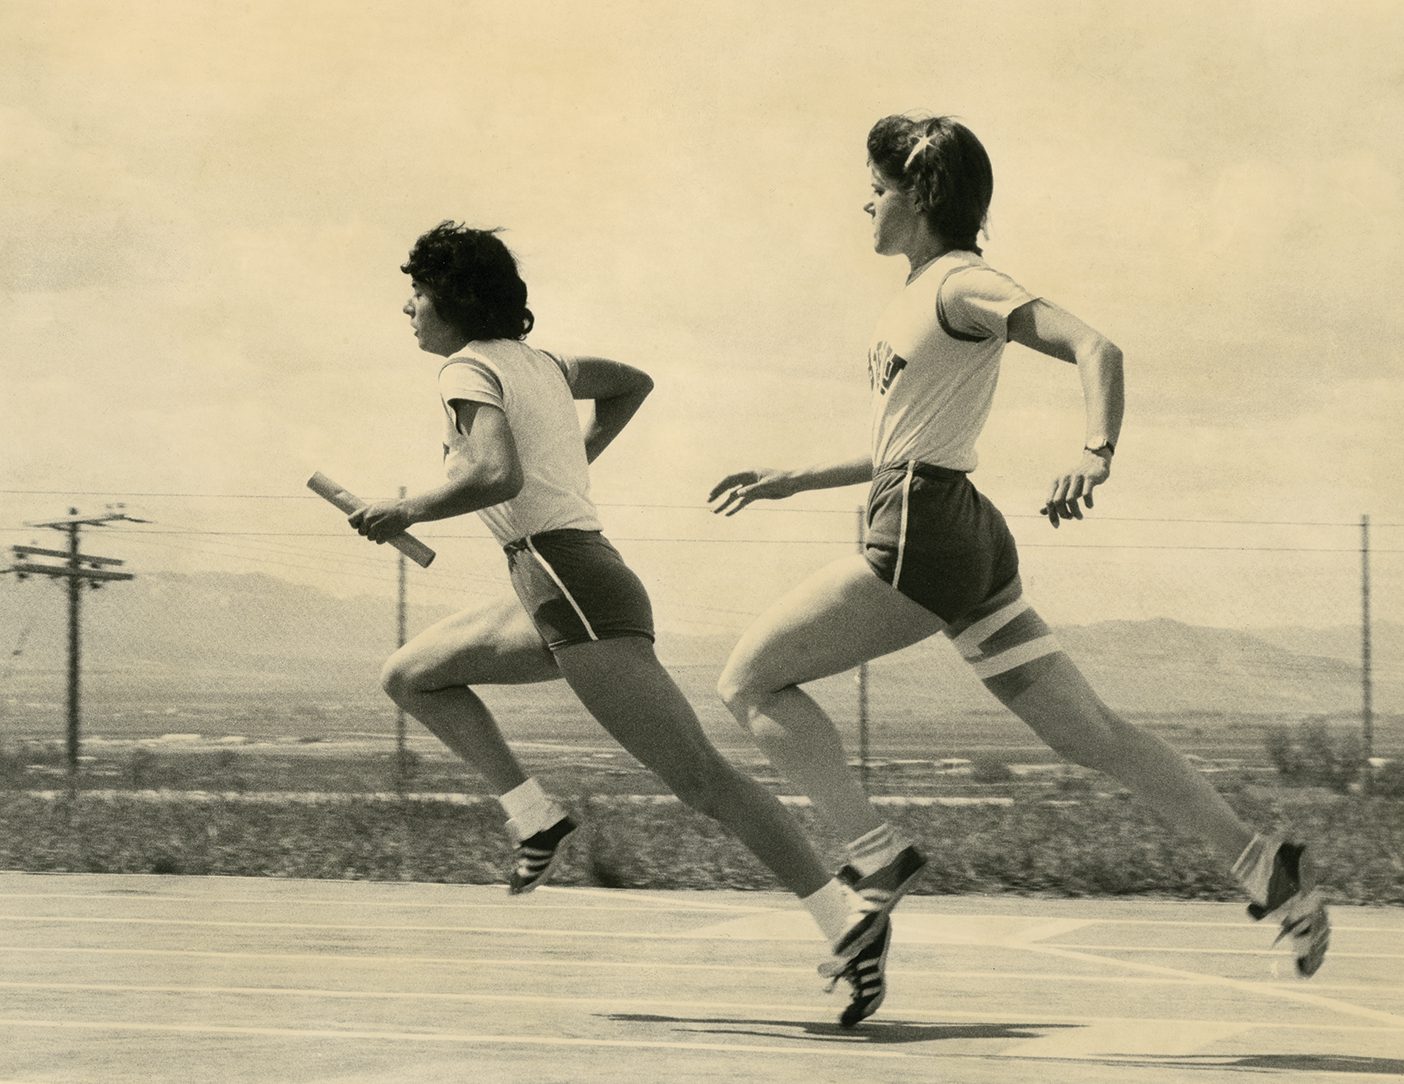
470 368
969 274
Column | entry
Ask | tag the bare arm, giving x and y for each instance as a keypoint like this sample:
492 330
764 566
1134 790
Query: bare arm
740 489
1045 327
483 470
618 391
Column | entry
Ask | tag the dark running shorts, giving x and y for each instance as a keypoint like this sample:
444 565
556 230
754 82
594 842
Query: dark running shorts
576 588
931 535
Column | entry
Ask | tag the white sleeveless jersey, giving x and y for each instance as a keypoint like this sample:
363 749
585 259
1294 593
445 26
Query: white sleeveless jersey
934 361
532 388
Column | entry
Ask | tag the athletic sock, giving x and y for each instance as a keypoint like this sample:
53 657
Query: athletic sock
530 808
869 853
833 908
1254 866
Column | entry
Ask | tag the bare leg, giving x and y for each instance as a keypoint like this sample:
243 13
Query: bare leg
834 620
622 684
1064 711
430 677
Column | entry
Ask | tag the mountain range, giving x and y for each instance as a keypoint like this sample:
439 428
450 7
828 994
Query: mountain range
170 637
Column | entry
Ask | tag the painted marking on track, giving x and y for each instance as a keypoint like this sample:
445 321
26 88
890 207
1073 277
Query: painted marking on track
983 976
653 902
1278 991
824 1050
1002 930
528 905
728 1008
529 931
1138 1039
663 901
1195 950
764 926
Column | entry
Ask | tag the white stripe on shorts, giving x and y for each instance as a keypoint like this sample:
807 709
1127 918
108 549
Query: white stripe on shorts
902 533
1015 656
568 596
968 641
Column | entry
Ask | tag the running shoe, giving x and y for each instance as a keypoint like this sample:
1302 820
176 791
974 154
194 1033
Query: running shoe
864 928
884 887
1298 904
866 975
536 855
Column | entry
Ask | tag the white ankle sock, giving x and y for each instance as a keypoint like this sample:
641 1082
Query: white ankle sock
833 908
529 807
870 852
1254 866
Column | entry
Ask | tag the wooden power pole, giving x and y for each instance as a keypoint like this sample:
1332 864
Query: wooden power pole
79 570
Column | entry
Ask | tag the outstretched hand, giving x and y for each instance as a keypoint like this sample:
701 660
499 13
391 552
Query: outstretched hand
1075 485
735 491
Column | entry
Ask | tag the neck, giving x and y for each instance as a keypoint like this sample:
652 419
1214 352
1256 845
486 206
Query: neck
926 247
919 259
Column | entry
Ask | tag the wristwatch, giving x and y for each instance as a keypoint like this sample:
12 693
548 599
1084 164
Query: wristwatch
1106 448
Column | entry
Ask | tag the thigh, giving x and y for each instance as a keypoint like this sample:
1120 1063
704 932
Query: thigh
839 617
623 685
492 644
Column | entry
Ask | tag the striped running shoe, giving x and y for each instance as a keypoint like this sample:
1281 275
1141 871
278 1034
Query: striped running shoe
1284 890
885 887
536 855
866 975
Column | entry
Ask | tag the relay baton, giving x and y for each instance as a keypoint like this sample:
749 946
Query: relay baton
348 502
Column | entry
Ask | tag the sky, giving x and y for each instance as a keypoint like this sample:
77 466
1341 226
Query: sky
205 208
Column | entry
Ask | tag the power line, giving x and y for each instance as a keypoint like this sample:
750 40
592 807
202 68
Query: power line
696 507
694 539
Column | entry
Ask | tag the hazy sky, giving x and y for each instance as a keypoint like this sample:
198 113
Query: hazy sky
204 209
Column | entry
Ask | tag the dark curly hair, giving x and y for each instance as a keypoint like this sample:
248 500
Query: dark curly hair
473 279
950 176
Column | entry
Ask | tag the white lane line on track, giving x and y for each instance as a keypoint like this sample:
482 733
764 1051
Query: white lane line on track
474 961
729 1009
477 962
655 904
745 930
1195 950
824 1050
665 903
529 931
1146 1039
1278 991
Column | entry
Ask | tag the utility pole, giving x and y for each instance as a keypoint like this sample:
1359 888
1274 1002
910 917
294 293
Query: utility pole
862 688
401 760
1367 718
79 570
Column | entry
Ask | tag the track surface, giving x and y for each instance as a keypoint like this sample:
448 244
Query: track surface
126 978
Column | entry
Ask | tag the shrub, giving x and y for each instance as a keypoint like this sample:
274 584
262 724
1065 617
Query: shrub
1312 757
12 765
143 768
990 769
1388 781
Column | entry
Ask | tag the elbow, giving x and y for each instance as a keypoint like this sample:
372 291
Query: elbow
1111 355
1100 355
504 483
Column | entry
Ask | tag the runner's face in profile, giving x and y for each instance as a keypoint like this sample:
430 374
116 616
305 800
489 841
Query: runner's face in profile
435 334
894 216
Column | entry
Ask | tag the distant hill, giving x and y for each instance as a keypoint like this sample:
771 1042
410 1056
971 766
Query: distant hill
170 638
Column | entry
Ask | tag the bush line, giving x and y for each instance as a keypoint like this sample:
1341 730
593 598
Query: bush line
1099 846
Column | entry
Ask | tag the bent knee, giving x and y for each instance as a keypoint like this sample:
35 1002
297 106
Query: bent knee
404 675
394 676
744 691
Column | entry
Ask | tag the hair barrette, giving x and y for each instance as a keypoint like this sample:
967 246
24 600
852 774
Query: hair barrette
921 145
